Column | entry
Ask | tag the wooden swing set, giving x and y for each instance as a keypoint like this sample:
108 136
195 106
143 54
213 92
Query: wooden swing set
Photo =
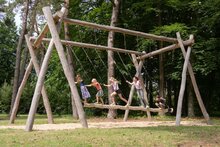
53 26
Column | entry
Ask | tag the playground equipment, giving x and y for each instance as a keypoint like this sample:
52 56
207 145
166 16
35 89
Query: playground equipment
53 25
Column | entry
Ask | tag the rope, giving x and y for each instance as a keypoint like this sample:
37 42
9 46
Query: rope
124 65
89 57
85 73
98 53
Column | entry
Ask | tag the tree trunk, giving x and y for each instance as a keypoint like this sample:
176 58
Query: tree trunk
161 64
70 60
18 54
151 98
23 64
190 98
25 51
161 68
169 93
114 18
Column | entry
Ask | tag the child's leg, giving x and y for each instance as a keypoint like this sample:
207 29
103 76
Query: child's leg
97 99
141 99
123 99
113 97
85 100
101 100
162 106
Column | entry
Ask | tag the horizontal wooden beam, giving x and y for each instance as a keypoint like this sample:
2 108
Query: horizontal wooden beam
120 30
87 45
166 49
136 108
45 29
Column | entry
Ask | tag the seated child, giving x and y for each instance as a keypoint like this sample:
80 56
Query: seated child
161 103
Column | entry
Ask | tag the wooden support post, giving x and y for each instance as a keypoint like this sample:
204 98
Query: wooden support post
39 85
139 68
21 88
62 56
120 30
182 88
129 102
45 29
193 79
89 46
165 49
138 74
37 69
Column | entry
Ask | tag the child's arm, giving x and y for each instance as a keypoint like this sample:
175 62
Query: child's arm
129 82
90 85
106 85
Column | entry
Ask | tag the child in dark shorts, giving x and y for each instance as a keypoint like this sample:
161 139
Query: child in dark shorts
116 91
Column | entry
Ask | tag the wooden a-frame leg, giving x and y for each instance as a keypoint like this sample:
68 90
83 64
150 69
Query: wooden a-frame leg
138 67
182 88
37 69
39 85
129 102
63 60
193 79
38 89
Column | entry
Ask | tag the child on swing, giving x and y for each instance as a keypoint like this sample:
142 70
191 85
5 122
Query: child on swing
161 103
116 91
98 87
139 90
84 91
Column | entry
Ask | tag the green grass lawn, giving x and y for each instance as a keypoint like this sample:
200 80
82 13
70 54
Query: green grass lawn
120 137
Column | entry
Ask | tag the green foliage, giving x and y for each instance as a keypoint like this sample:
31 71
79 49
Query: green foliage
8 38
170 30
207 59
5 97
198 17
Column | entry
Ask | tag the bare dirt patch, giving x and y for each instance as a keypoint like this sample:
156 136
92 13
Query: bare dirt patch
107 124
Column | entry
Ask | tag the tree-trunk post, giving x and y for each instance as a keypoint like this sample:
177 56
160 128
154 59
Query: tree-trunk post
65 65
182 88
38 89
139 67
39 84
138 74
193 79
70 60
20 89
165 49
37 69
190 96
129 102
114 18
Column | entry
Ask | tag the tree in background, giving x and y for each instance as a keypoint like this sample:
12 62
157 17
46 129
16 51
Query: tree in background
200 18
8 38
